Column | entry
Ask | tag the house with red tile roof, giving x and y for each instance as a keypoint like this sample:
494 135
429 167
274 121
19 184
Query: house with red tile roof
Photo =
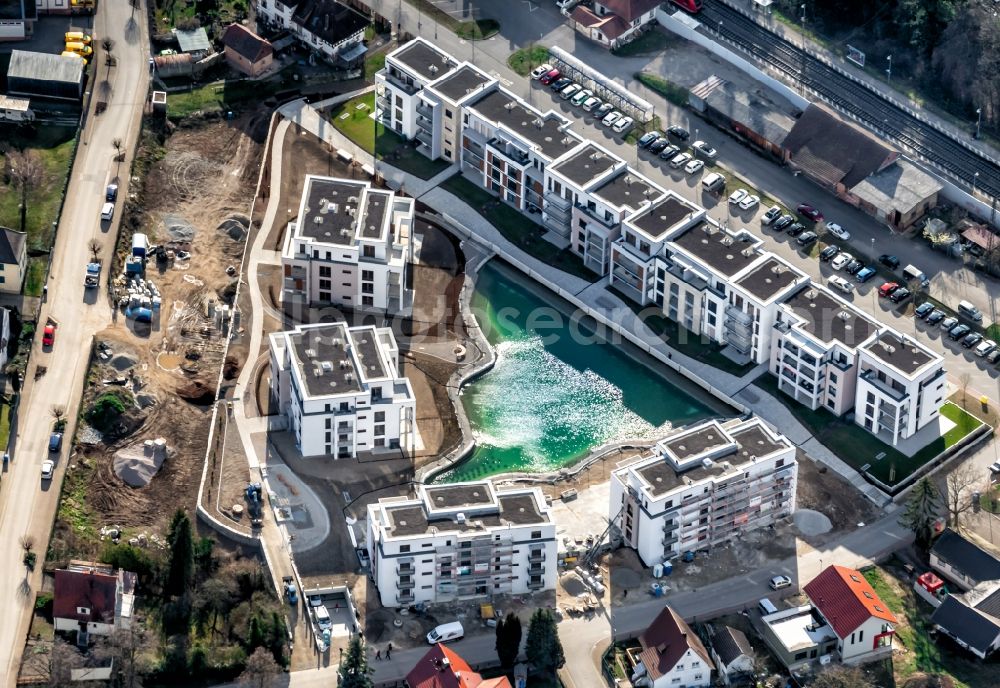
442 667
92 599
863 623
613 23
246 51
672 654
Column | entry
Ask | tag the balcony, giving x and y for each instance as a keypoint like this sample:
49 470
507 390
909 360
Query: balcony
536 556
406 585
610 224
870 377
557 225
556 203
509 151
405 597
670 539
405 570
382 102
536 584
424 137
595 264
398 82
425 111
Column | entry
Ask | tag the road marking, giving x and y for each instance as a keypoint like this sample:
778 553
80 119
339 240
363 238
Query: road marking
505 82
531 6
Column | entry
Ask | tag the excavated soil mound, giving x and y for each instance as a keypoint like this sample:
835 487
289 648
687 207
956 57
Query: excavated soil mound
137 464
124 361
196 392
811 522
231 368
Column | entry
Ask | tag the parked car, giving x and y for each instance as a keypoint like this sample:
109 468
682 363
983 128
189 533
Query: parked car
841 261
48 467
782 222
972 339
995 467
291 593
923 310
602 110
694 166
55 441
887 288
796 229
560 83
806 238
669 152
779 582
590 103
648 138
580 97
703 150
679 132
828 253
864 274
623 124
935 317
891 262
680 160
540 71
49 335
838 282
985 348
737 196
550 76
749 202
993 356
809 212
959 331
900 295
111 193
949 323
569 91
108 211
611 118
772 214
838 231
658 145
854 267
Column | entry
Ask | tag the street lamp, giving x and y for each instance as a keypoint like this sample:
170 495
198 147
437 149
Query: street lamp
888 72
803 7
979 117
975 178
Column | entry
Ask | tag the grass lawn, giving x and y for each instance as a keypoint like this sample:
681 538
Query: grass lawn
920 652
54 146
373 63
517 228
675 93
524 60
687 342
5 410
478 30
353 120
169 12
218 95
857 447
648 43
35 278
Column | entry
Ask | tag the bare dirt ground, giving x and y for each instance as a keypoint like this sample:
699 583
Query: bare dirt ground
203 174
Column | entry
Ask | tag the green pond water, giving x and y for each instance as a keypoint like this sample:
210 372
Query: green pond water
557 390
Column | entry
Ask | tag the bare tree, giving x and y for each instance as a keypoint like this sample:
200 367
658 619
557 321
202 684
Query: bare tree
62 660
125 646
261 669
95 249
841 677
108 45
961 485
117 143
57 411
134 4
27 542
25 168
964 379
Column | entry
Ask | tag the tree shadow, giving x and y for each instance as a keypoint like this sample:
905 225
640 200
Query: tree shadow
132 32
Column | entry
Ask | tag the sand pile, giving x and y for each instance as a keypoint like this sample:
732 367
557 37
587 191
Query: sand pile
138 463
811 522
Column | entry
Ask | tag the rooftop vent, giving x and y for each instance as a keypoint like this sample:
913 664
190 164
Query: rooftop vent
433 69
707 463
811 294
844 315
336 342
460 517
310 353
509 105
327 366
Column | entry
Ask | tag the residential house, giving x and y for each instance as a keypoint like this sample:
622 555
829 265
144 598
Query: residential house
862 622
442 667
703 486
13 260
461 540
92 599
672 654
798 636
349 246
328 27
571 177
17 19
962 562
341 390
439 110
408 70
733 656
43 75
898 195
972 619
245 51
613 23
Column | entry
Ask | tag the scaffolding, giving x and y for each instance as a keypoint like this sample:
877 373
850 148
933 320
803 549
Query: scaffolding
602 86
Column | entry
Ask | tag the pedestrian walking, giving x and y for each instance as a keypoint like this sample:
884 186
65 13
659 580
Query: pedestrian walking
388 652
378 655
626 593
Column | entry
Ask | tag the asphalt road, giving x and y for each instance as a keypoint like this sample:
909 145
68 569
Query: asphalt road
27 504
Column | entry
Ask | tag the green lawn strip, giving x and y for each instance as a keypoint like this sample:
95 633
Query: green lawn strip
524 60
517 228
478 30
675 93
353 119
217 96
649 43
636 132
54 146
5 411
35 279
374 63
688 343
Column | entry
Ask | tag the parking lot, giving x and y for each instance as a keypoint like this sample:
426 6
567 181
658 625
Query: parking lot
49 33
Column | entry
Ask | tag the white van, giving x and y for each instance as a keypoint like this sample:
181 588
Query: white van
712 182
108 211
766 607
911 273
323 619
446 632
969 311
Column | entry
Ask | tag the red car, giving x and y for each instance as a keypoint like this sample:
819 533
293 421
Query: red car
49 335
806 210
550 77
887 288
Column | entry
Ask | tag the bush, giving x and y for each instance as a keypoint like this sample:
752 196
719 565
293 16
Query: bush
107 409
43 603
138 561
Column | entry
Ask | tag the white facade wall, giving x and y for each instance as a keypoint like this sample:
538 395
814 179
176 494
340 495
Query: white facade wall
13 30
93 627
872 639
691 671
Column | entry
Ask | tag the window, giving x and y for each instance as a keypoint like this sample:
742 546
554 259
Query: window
379 429
324 271
404 548
369 252
536 534
449 114
324 284
368 275
367 300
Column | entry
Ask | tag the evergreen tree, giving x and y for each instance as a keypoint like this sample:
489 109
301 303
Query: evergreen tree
181 562
508 640
353 672
276 641
544 650
255 635
922 508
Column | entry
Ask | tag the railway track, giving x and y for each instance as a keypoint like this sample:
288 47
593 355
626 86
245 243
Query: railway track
921 138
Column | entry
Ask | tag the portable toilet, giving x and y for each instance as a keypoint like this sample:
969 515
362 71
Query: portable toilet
668 568
657 570
133 265
140 244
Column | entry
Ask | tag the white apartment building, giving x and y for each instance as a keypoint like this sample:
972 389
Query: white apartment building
702 486
341 390
461 541
408 70
901 386
439 110
349 246
332 29
568 205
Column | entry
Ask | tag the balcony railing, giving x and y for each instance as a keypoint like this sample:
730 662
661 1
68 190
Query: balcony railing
425 110
396 81
536 584
536 556
887 389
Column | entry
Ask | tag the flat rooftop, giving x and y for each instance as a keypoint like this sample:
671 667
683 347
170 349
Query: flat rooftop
461 83
628 189
366 348
424 59
902 354
769 279
325 366
753 442
828 318
329 210
718 249
410 518
376 205
662 477
664 216
587 164
797 630
541 130
701 440
473 495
